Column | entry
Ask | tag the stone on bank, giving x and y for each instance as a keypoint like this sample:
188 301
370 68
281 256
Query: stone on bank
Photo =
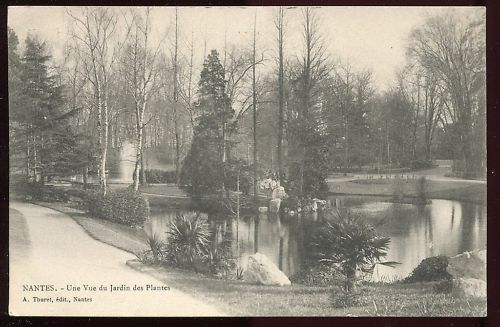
469 273
261 270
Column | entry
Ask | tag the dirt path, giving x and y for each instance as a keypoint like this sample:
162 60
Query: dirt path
61 254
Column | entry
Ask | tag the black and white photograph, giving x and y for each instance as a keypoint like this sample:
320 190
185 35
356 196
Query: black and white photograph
247 161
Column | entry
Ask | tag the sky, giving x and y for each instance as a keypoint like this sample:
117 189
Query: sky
371 38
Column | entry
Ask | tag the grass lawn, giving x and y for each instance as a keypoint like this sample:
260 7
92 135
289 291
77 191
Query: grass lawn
449 190
239 298
164 189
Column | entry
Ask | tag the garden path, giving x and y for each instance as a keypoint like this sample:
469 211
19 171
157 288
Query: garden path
62 254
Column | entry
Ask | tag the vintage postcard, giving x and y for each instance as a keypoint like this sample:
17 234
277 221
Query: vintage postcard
247 161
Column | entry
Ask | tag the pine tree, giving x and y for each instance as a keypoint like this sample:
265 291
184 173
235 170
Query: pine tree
204 166
41 129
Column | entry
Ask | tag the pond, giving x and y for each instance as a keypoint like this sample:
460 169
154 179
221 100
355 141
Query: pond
441 228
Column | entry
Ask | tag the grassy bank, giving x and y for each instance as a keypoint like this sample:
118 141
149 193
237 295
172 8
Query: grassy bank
126 238
437 189
239 298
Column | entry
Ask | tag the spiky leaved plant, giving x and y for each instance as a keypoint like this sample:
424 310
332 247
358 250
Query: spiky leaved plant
347 240
188 239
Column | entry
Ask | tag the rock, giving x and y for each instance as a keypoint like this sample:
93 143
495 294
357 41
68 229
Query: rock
274 205
261 270
314 206
468 265
262 209
279 193
469 287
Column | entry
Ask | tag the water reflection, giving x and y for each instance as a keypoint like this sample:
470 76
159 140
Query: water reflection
441 228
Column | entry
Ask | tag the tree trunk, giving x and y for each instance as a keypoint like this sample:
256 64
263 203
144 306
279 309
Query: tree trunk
254 104
176 99
140 130
104 150
280 28
143 166
350 283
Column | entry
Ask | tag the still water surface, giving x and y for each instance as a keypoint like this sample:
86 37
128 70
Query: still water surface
416 232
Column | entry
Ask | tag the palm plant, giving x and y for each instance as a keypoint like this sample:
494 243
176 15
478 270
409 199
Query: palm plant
348 241
156 246
188 239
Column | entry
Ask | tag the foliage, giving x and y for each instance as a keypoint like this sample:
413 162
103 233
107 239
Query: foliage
41 137
422 164
124 206
233 167
398 189
155 253
220 261
188 241
346 239
430 269
307 173
203 169
31 190
317 275
158 176
461 71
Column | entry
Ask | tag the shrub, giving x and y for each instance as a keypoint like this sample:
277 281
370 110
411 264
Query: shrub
125 206
349 241
398 189
157 176
37 191
220 261
188 241
422 164
430 269
155 252
317 275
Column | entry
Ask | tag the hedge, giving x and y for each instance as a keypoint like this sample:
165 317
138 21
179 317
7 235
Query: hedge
30 190
157 176
124 206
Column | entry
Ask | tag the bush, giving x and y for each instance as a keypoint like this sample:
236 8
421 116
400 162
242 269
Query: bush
188 240
430 269
422 164
125 206
317 275
154 254
30 190
157 176
347 240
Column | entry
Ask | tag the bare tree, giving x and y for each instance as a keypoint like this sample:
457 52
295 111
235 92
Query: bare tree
254 106
140 71
93 30
313 69
175 65
454 48
279 22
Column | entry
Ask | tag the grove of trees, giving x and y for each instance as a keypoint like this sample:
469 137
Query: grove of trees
298 114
